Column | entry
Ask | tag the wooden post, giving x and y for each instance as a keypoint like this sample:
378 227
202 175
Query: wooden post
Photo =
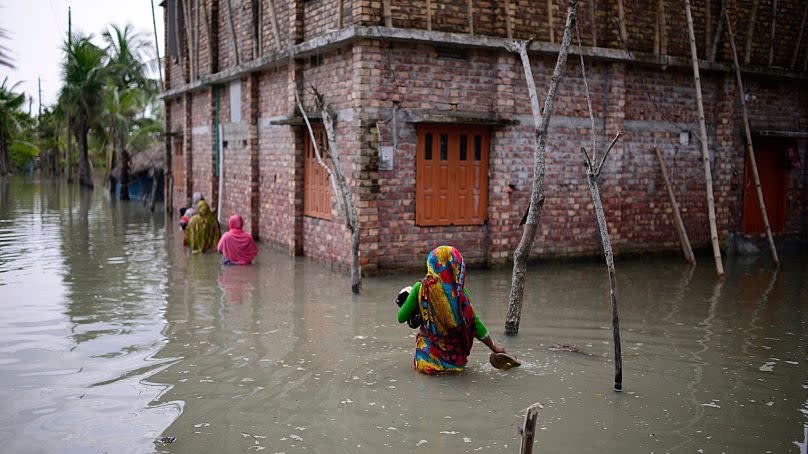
592 174
621 16
718 31
684 241
508 26
387 13
799 38
749 148
340 11
550 22
528 428
232 30
750 32
705 153
429 15
541 121
772 32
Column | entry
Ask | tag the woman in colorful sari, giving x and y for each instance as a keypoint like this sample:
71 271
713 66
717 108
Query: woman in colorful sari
449 324
202 233
237 246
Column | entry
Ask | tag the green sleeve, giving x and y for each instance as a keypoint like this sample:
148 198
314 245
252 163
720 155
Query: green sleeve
411 305
482 331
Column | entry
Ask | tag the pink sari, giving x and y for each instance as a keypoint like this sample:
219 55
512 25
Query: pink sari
236 245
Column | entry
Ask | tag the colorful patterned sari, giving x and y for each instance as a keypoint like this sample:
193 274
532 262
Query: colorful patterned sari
202 233
448 328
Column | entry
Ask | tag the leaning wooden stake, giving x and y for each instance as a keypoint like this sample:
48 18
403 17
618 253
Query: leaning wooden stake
705 153
339 185
750 149
677 217
528 428
541 120
592 174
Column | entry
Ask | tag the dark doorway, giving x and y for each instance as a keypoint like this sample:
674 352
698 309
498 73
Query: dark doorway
772 163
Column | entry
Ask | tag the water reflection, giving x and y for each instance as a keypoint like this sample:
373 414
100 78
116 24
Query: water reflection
118 337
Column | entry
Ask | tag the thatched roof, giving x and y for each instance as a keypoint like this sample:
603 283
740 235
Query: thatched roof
150 158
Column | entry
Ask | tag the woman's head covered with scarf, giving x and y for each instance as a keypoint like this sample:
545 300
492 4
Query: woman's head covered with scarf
236 245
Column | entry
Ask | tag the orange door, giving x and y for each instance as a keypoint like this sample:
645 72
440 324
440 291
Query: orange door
773 171
451 175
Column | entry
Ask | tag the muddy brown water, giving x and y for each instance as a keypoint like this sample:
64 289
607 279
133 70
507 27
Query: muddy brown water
112 337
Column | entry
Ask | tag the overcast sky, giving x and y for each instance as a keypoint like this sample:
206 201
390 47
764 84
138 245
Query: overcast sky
37 30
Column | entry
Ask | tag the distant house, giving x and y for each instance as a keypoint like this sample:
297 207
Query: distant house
434 123
145 174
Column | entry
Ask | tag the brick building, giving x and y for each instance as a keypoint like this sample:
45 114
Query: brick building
421 87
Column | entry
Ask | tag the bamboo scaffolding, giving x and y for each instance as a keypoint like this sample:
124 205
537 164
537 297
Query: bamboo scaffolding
508 26
708 178
749 148
232 30
772 32
471 17
387 13
550 21
719 30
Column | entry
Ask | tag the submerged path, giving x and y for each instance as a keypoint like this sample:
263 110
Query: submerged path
112 336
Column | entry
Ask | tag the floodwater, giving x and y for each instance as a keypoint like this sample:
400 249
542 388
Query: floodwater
113 337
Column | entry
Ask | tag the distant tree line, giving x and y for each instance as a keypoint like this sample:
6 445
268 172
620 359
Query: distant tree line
107 107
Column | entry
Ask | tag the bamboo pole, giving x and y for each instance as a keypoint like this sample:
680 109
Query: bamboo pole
592 174
340 11
772 32
528 428
594 13
621 15
719 30
684 241
705 153
232 30
429 15
708 24
541 121
387 13
273 19
799 38
750 32
749 148
550 22
157 48
508 26
471 17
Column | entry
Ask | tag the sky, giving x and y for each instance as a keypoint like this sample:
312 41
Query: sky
37 30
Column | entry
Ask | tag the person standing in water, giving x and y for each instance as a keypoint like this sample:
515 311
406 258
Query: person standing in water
237 246
202 233
449 324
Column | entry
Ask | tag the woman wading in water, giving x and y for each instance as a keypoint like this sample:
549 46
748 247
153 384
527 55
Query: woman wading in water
448 325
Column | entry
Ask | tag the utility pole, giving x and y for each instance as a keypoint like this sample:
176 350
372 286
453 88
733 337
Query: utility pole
69 151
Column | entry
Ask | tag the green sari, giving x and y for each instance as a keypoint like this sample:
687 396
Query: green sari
202 233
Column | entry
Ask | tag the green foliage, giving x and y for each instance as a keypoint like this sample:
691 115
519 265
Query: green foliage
105 90
22 153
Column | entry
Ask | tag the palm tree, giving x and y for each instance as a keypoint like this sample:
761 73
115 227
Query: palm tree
10 113
84 75
5 59
126 96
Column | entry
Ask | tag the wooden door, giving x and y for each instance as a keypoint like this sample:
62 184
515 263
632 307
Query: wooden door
773 171
451 175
